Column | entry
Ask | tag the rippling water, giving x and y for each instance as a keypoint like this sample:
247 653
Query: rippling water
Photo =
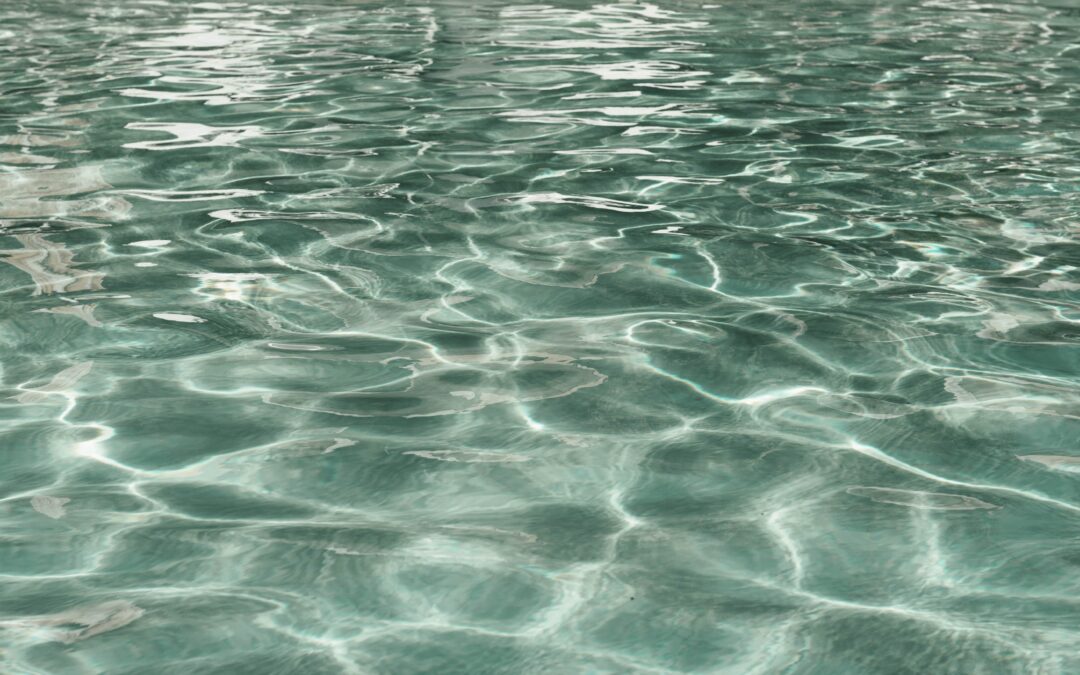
371 337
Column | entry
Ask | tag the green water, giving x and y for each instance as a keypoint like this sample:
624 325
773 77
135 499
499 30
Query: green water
484 338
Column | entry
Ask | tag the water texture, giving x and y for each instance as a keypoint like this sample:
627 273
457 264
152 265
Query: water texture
475 337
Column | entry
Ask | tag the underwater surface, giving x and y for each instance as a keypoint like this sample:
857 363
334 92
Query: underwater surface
493 338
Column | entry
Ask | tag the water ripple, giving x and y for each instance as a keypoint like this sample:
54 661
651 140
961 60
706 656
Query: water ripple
491 338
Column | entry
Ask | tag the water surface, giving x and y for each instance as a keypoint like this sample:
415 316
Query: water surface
484 338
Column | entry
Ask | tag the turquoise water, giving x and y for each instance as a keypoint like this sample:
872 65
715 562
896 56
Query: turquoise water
371 337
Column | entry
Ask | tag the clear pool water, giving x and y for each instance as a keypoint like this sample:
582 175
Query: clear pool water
493 338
